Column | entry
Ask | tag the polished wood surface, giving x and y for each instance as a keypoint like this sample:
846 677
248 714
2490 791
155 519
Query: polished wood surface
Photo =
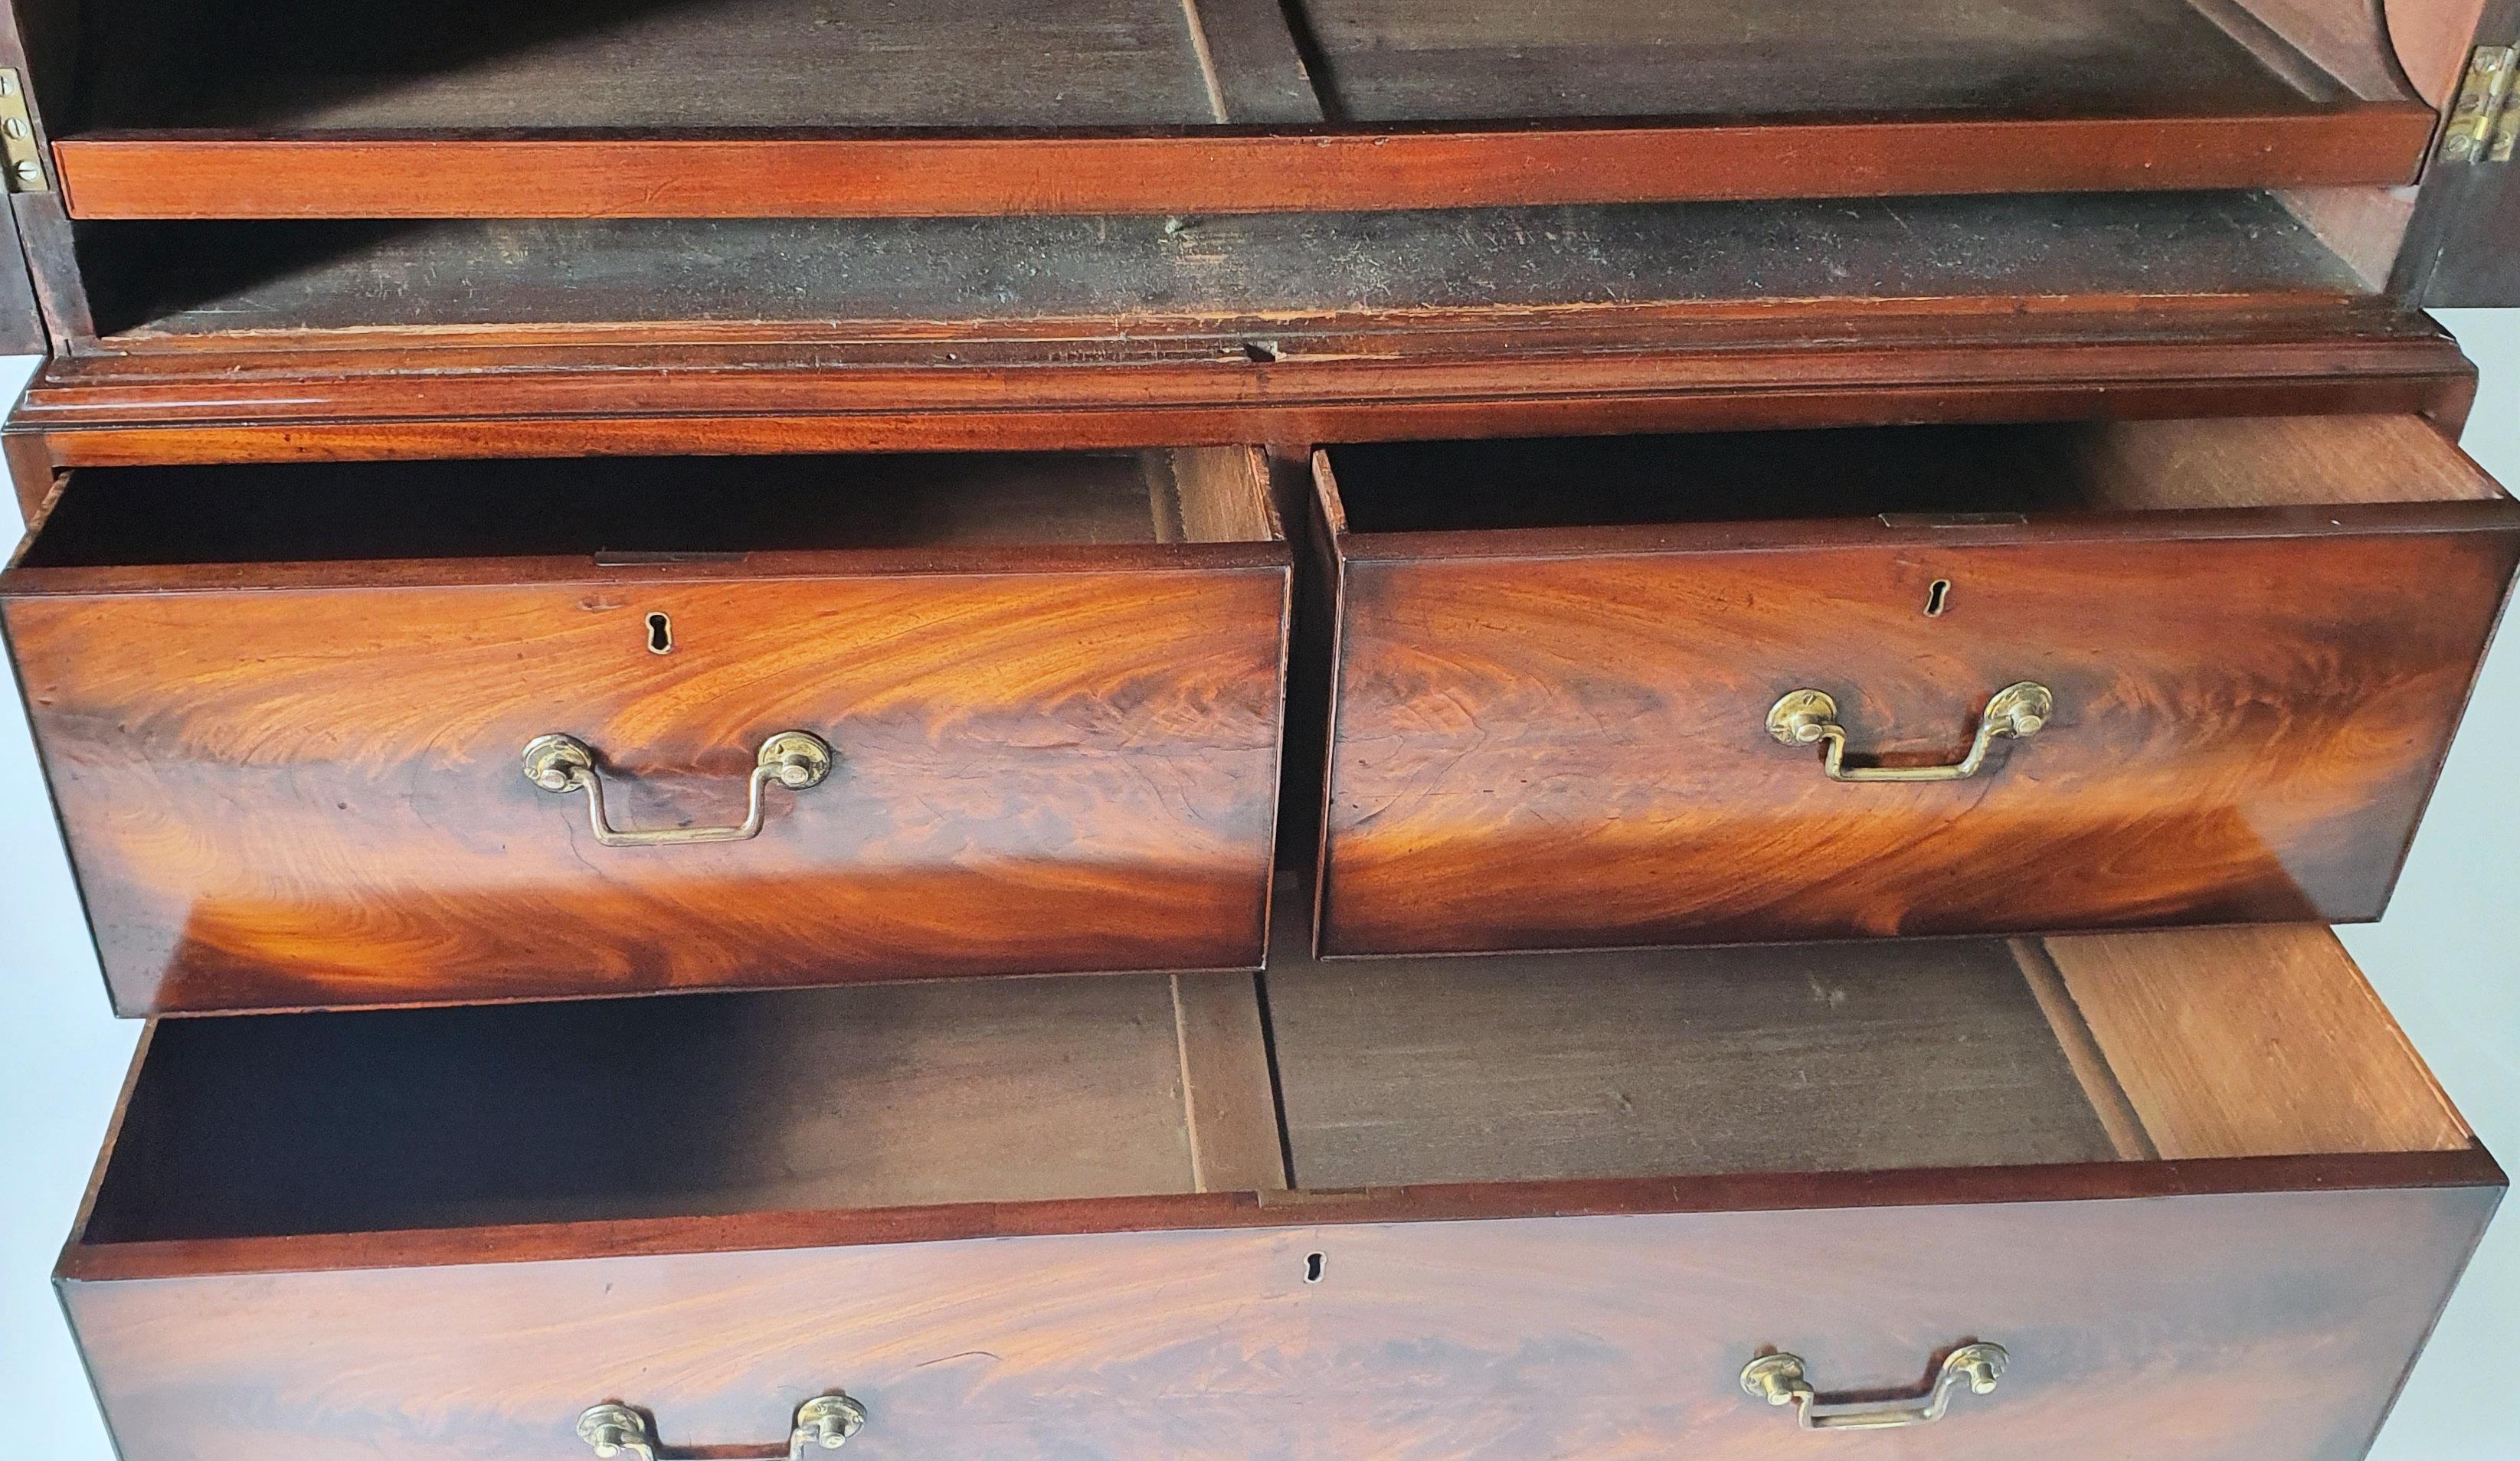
1555 735
1333 379
2227 1307
2232 1328
2224 1305
110 176
297 784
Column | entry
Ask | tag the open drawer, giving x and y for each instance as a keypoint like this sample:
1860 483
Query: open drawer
2170 1194
374 732
1830 683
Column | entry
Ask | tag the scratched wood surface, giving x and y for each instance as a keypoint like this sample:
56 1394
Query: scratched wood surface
299 784
1427 60
2214 1327
744 108
1555 736
236 279
298 65
1830 1058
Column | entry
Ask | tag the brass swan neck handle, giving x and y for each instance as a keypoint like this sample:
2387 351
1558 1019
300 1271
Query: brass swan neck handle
1778 1379
562 763
1809 717
825 1422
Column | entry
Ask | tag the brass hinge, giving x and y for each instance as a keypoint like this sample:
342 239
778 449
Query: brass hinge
25 169
2485 124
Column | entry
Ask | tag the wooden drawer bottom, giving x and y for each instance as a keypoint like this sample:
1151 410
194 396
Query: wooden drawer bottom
2194 1185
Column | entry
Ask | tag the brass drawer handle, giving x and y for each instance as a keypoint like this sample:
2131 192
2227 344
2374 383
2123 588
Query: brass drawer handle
1777 1379
825 1421
1809 717
563 764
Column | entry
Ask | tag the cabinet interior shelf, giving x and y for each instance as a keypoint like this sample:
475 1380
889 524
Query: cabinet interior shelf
289 108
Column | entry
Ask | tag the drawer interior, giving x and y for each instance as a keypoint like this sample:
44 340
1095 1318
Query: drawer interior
2008 468
1320 1077
630 506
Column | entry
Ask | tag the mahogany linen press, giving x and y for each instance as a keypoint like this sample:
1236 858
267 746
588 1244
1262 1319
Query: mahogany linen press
1667 700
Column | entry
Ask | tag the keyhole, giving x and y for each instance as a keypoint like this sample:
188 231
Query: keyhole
1311 1267
661 635
1937 595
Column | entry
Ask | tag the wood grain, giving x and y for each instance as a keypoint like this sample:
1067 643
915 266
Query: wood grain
137 175
1553 707
1227 1088
2223 1328
2089 1063
2235 1042
1255 70
2256 1306
311 796
1434 375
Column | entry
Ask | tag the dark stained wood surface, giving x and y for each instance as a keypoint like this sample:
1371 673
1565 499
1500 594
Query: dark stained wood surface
1012 273
283 67
893 1096
297 783
2329 59
299 66
299 110
1433 61
1828 1058
2223 1327
1293 382
1557 707
22 318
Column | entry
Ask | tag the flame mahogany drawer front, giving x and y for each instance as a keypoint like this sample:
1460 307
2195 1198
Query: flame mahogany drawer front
2165 1194
788 721
1912 680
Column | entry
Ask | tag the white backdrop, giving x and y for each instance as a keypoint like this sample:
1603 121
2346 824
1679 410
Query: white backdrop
2444 959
